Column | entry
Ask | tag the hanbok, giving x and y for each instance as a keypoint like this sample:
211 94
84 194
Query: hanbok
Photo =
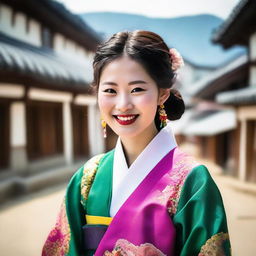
165 203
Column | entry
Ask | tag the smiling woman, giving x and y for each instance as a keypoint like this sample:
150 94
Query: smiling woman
145 197
129 102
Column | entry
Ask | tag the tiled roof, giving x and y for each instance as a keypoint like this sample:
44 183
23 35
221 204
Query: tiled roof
208 80
205 123
41 63
228 22
238 97
238 27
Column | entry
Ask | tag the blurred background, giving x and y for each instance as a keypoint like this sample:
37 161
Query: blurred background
49 120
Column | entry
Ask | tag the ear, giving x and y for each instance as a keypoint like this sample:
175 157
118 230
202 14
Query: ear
163 95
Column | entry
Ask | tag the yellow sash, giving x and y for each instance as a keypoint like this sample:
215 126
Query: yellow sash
90 219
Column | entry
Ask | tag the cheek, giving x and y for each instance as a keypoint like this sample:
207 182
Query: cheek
148 101
104 103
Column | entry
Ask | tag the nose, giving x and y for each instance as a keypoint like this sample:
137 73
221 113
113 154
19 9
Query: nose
124 103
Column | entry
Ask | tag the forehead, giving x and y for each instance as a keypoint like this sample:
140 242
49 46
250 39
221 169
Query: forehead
124 67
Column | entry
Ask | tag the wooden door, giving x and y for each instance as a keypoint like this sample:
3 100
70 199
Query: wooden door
44 129
251 150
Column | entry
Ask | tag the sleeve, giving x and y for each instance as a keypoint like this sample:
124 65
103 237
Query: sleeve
66 236
200 219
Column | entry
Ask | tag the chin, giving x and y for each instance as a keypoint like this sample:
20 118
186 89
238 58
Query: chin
126 134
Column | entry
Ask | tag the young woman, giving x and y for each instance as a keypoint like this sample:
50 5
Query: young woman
145 197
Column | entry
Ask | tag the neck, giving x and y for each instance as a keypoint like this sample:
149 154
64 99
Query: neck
134 146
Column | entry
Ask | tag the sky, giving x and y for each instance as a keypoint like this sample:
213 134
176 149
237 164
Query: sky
154 8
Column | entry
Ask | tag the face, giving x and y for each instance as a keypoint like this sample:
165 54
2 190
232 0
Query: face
128 98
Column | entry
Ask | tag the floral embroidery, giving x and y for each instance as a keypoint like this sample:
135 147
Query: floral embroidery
177 176
125 248
58 240
89 172
213 246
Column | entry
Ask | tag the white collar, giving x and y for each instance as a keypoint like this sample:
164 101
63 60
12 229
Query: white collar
160 145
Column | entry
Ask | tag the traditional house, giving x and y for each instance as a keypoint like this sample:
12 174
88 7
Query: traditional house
229 93
240 29
213 125
48 117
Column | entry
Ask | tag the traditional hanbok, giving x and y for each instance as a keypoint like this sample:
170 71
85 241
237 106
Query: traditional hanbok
165 203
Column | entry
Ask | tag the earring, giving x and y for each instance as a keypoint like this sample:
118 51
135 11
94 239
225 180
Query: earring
162 116
104 126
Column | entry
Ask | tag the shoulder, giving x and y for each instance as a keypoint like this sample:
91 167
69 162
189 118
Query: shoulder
183 164
200 179
184 167
92 163
187 169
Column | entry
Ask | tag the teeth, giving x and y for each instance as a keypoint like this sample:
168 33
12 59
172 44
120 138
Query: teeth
125 118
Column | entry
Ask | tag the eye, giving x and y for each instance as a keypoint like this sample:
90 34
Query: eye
109 90
137 89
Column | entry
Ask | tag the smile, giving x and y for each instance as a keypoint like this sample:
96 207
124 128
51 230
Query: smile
125 119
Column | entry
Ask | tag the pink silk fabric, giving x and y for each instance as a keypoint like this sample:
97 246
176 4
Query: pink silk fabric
144 217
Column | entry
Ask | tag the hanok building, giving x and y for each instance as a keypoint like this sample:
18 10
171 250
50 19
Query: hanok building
213 124
48 118
240 29
233 90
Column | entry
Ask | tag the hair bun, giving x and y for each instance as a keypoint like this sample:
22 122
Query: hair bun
174 105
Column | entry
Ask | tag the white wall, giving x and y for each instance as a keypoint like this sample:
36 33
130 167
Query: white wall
69 48
11 90
252 45
252 76
5 19
18 29
73 53
34 35
18 127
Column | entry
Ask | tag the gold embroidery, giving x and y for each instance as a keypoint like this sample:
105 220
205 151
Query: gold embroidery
213 246
171 193
125 248
89 172
58 240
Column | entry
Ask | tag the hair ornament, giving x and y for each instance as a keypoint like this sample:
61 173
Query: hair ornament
176 59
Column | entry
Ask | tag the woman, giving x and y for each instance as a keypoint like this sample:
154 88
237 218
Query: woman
145 197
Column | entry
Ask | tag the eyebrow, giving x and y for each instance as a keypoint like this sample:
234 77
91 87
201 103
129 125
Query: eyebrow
130 83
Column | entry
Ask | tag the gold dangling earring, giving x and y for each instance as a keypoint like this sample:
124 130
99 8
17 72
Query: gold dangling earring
162 116
104 126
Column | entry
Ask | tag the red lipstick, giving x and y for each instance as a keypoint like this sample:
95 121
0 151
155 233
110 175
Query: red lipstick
125 119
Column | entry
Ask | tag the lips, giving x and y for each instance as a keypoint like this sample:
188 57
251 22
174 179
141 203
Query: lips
125 119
